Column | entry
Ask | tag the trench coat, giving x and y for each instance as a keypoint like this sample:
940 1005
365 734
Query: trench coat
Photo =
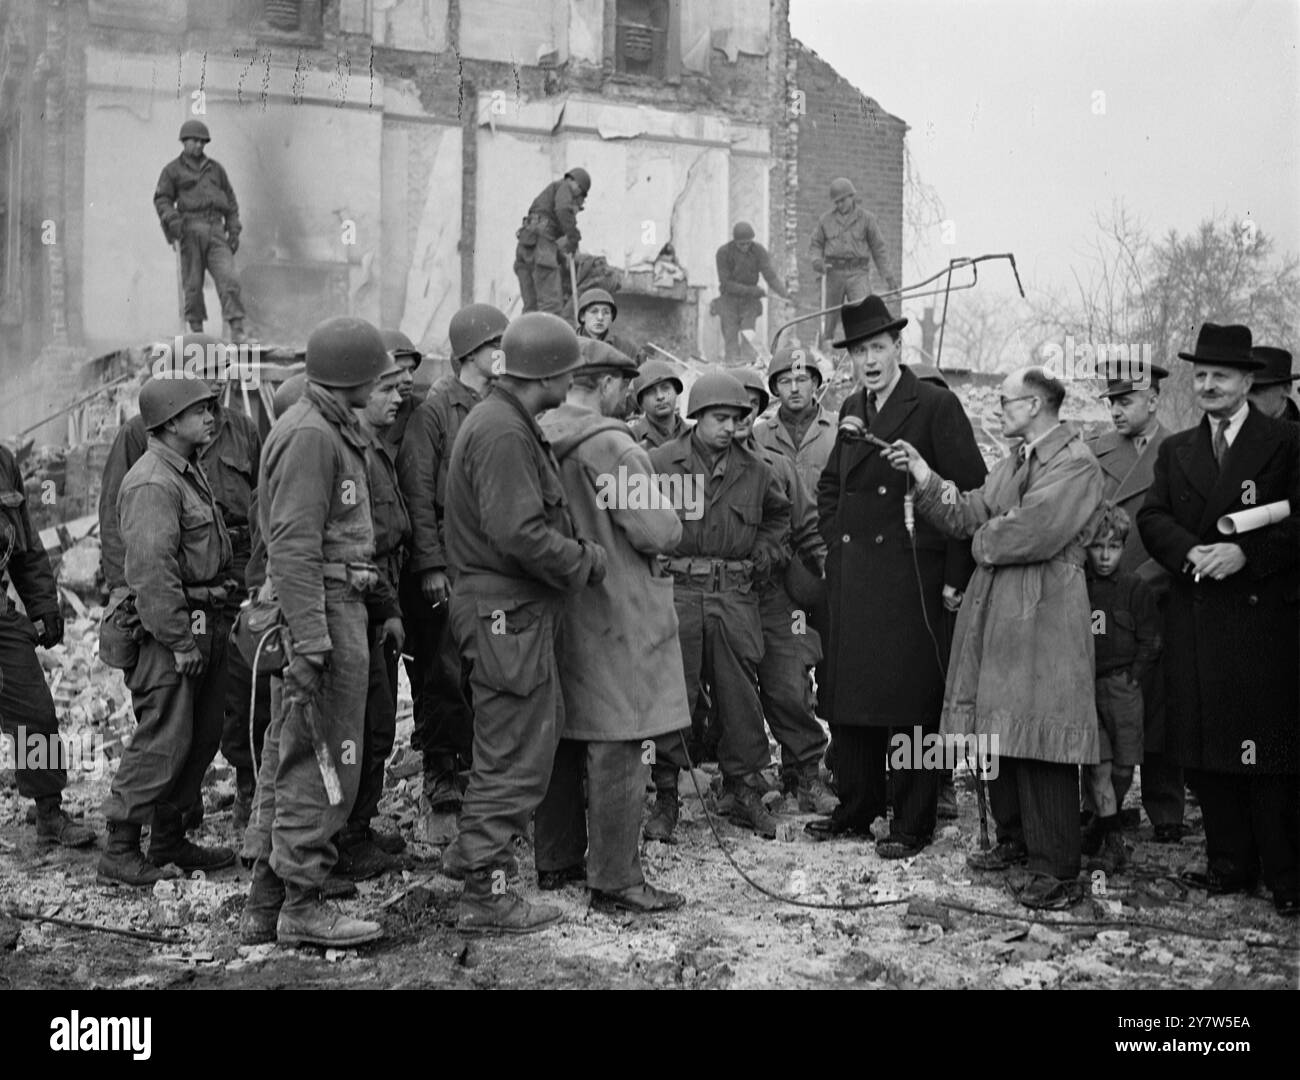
1231 645
620 661
881 668
1022 655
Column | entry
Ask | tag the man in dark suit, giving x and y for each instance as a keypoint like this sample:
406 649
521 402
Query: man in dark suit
888 583
1270 390
1233 624
1127 457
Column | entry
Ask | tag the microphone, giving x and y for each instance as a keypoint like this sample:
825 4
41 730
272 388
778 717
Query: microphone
852 427
909 511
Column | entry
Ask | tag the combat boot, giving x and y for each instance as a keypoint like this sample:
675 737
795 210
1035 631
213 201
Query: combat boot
53 826
745 806
167 844
305 919
663 819
262 908
122 863
245 789
813 794
360 858
440 786
489 906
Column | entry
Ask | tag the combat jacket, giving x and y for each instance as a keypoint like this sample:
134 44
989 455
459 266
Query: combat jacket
803 540
392 528
230 462
314 509
556 210
813 451
745 514
422 468
506 512
27 564
851 239
651 435
173 540
738 271
615 340
187 187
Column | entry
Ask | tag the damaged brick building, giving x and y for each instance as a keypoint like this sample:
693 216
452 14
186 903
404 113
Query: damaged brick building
383 152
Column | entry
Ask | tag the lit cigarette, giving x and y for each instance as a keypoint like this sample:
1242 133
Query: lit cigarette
1196 578
408 656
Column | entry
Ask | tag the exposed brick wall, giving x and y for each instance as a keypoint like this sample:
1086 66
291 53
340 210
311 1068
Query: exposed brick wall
844 133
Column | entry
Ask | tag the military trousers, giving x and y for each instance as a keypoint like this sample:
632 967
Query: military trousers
26 707
380 730
540 269
844 284
444 721
204 249
605 826
791 648
178 721
721 636
510 642
737 313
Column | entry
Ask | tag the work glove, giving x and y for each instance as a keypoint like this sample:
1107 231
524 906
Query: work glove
173 231
233 240
819 267
562 245
303 675
49 630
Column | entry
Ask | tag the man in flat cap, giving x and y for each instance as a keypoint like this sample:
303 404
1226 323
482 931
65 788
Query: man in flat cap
1270 390
1231 627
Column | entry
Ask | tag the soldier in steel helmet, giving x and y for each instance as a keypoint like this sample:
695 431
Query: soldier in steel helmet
314 514
740 262
735 523
596 315
655 391
513 555
444 723
548 237
177 561
198 210
408 359
843 245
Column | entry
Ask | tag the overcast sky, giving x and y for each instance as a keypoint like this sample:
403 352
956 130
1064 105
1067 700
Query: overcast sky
1201 112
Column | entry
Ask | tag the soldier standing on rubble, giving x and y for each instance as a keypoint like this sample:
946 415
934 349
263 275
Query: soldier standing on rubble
513 555
26 707
843 245
177 564
314 513
547 238
229 462
735 524
197 208
444 723
740 262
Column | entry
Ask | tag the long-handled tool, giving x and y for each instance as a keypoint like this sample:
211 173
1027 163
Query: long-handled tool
180 287
573 285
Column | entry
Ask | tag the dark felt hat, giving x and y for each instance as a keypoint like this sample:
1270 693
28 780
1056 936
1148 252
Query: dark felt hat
864 319
1224 346
1277 366
1127 377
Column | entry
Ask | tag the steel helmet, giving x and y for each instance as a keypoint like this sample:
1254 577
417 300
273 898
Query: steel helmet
842 186
742 230
539 345
475 325
398 344
716 388
752 379
346 351
195 129
163 399
653 372
601 358
288 392
596 296
786 358
582 176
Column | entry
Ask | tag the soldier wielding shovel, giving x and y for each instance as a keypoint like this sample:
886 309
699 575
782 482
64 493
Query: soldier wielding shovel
180 287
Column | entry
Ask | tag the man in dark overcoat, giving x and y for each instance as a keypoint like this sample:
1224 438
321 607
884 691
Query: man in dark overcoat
1233 624
887 653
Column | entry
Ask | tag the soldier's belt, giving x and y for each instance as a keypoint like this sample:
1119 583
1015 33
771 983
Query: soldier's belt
845 262
211 212
710 574
362 576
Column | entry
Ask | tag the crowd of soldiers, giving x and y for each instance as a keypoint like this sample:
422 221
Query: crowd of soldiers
588 606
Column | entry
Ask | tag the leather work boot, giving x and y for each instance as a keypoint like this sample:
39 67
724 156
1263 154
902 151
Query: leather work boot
489 906
814 796
53 826
122 863
440 786
641 899
663 819
745 807
262 908
167 844
245 789
311 921
360 858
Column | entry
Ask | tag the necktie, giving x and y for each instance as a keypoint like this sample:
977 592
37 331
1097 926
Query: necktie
1221 441
871 407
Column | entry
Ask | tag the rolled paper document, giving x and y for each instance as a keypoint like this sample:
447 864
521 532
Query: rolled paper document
1254 518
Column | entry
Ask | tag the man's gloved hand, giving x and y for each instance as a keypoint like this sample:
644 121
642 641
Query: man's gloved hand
188 661
562 245
173 230
818 266
233 240
304 673
599 562
49 630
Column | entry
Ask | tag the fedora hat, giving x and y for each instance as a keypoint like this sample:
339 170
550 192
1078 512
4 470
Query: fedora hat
867 318
1277 366
1120 381
1225 346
